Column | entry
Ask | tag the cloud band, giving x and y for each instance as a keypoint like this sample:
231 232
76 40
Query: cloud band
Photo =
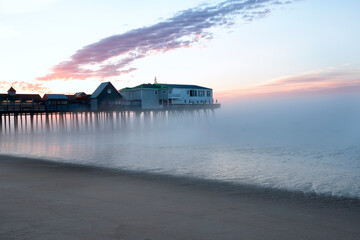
112 56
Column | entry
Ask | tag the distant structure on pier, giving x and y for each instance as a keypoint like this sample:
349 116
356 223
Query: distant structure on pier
106 97
160 96
20 102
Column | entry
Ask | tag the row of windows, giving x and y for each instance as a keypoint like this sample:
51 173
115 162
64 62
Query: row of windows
191 102
17 101
192 93
164 91
201 101
200 93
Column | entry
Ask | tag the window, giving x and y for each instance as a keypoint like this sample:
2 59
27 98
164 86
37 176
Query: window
188 92
156 92
160 101
208 93
193 93
109 90
164 91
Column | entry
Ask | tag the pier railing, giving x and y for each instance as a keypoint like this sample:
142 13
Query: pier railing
13 108
192 106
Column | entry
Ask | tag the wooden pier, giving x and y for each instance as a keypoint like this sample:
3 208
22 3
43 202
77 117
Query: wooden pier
41 109
43 120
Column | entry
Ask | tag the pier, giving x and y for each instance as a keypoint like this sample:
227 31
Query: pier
146 101
43 120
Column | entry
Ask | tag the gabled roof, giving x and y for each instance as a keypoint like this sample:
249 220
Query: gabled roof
162 86
11 90
55 97
101 88
79 97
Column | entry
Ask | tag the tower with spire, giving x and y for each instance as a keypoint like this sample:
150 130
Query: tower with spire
11 91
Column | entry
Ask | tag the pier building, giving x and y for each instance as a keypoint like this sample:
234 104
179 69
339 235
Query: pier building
20 102
56 102
141 98
160 96
105 97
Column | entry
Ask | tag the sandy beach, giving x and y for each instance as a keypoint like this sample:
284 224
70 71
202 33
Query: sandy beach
46 200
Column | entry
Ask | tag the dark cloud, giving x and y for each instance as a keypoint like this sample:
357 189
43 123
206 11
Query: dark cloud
112 56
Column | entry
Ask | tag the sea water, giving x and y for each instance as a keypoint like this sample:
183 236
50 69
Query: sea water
315 150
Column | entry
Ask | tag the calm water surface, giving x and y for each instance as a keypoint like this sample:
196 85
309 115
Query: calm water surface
198 144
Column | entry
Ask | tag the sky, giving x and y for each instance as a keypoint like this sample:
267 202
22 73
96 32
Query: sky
246 48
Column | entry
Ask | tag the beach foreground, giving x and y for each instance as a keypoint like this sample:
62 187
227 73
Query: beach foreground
46 200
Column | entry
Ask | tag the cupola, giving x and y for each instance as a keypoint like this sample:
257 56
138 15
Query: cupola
12 91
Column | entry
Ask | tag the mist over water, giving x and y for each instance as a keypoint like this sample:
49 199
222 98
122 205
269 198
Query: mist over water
308 143
308 120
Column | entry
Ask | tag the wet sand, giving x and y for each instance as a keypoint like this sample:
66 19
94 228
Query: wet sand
46 200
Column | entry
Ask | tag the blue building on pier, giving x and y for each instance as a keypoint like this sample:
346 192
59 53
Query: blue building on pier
105 97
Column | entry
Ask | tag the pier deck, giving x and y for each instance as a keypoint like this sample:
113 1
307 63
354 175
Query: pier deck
15 110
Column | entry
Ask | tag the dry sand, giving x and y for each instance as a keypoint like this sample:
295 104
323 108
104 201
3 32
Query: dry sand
45 200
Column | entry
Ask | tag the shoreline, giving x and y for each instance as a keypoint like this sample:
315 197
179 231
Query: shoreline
207 184
42 199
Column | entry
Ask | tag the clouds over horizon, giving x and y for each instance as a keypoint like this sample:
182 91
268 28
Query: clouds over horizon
113 56
325 80
25 87
329 80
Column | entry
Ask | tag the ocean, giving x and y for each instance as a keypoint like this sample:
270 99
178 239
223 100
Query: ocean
314 150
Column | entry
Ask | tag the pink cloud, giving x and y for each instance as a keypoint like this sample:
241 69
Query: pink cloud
112 56
25 87
311 82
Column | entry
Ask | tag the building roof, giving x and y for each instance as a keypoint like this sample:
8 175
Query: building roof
78 97
162 86
55 97
11 89
102 87
22 97
142 86
99 90
70 97
83 97
183 86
